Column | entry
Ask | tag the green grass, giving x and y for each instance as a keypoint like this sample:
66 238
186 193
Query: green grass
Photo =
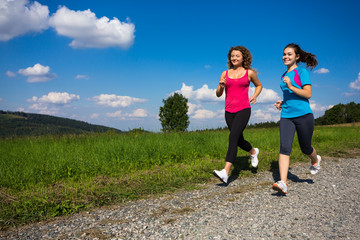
44 177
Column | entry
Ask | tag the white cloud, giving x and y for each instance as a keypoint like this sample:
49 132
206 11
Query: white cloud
262 116
82 77
90 32
350 94
18 17
355 85
192 107
10 74
112 100
37 73
322 71
114 114
203 114
319 109
1 99
94 115
56 98
266 95
205 94
51 103
207 66
137 113
202 94
44 109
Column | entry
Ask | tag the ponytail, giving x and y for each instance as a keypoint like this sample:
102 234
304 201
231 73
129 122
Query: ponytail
305 57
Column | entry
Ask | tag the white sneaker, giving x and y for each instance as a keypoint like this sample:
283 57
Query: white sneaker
280 186
254 158
314 169
222 175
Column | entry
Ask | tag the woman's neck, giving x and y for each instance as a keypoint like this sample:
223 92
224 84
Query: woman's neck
292 67
238 68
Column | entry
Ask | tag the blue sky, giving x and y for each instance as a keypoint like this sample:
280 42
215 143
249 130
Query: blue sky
113 62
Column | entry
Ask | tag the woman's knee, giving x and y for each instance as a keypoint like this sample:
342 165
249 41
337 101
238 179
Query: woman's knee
286 150
307 150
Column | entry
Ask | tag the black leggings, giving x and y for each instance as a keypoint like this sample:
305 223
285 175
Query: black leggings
304 126
236 123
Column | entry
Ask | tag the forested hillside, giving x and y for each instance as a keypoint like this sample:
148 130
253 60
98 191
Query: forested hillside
24 124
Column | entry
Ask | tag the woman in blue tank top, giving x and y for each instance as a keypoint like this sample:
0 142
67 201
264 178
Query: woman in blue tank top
296 114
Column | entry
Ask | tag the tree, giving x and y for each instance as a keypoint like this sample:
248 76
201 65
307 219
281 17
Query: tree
173 115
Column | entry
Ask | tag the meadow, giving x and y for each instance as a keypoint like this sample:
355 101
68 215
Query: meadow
49 176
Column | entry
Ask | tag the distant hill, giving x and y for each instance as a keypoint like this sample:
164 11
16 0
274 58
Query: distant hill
26 124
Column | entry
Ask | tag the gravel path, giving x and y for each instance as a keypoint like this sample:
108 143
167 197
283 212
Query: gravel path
324 206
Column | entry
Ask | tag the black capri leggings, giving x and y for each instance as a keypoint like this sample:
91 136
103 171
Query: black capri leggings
304 126
236 123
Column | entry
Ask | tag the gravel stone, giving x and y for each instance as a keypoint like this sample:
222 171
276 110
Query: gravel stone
322 206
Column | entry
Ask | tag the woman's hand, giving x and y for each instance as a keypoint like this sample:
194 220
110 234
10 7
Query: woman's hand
221 86
287 80
278 104
253 100
222 82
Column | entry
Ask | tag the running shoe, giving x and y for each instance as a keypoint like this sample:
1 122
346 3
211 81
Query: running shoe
222 175
280 186
314 169
254 158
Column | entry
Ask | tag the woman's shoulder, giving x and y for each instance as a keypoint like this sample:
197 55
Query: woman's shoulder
251 72
302 70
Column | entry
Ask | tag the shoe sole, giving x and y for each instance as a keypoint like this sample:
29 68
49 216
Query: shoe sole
214 173
277 188
313 172
258 160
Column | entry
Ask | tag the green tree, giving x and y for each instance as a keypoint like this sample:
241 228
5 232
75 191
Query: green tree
173 115
352 112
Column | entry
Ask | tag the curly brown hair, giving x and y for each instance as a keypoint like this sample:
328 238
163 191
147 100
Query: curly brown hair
247 57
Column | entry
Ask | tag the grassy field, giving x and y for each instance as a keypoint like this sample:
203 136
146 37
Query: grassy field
44 177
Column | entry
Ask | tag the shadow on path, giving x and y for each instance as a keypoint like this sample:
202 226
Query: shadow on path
292 177
241 164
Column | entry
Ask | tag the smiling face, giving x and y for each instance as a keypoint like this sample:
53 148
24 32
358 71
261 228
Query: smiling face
290 57
236 58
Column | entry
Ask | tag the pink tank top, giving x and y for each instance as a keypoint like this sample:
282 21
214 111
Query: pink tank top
237 93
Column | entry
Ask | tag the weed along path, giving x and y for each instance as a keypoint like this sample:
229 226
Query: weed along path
324 206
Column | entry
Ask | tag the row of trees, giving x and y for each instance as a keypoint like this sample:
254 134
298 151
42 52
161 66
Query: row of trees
340 113
173 115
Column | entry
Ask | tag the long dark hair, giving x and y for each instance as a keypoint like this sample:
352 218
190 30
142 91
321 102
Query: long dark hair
305 57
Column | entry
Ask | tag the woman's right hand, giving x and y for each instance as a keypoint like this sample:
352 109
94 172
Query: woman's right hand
222 82
278 104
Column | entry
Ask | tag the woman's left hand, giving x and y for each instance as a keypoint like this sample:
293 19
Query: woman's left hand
287 80
253 100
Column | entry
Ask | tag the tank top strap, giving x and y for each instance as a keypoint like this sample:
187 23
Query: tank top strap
226 75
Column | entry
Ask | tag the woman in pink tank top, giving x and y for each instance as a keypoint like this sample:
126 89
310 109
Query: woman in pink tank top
236 83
